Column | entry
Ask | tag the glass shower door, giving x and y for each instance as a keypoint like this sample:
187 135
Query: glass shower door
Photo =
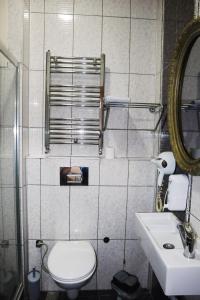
10 266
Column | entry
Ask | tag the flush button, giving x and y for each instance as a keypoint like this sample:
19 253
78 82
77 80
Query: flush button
168 246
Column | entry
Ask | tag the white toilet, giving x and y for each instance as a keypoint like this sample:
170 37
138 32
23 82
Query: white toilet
71 264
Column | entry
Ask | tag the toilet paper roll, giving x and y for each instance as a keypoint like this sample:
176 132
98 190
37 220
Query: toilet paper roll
109 153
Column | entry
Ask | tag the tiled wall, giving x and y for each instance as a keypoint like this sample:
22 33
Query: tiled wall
129 33
15 32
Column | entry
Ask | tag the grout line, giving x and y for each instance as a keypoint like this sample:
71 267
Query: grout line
127 145
94 15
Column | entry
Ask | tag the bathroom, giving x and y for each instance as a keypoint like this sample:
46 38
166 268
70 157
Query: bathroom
138 38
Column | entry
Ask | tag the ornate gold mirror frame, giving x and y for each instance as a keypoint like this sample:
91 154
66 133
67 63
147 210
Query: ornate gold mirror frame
190 34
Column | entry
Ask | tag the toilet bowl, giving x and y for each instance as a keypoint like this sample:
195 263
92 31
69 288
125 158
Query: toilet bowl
71 265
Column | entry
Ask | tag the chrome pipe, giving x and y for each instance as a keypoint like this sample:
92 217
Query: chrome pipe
76 86
73 119
75 141
74 96
84 63
75 132
75 72
74 91
81 67
80 104
81 124
75 127
89 138
76 58
47 107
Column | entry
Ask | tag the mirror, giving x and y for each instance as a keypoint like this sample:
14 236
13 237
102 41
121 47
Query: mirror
184 100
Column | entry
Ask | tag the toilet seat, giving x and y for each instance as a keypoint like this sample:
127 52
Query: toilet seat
71 261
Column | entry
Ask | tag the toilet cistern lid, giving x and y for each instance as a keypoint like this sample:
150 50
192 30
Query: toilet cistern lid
71 259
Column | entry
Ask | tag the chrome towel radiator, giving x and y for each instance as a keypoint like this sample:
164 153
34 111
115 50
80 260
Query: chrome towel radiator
68 84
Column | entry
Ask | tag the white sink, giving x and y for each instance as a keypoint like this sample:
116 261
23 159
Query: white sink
176 274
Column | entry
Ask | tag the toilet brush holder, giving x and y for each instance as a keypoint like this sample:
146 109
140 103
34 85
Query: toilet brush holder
34 284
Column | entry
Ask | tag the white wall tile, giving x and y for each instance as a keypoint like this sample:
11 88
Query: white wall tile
117 118
117 8
34 255
116 139
142 173
59 150
85 150
36 98
37 6
112 212
59 6
15 11
141 118
116 85
143 46
195 205
59 34
136 262
33 171
92 164
87 28
35 141
110 261
140 199
142 88
10 259
88 7
6 168
116 49
26 38
9 212
50 170
33 200
36 41
24 111
54 212
113 172
83 212
140 144
144 9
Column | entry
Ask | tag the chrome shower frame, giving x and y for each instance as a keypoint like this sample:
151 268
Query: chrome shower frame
16 64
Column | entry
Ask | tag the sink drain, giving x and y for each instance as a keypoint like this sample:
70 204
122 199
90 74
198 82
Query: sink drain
168 246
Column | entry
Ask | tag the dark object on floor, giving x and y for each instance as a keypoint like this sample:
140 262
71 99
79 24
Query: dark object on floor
127 287
126 282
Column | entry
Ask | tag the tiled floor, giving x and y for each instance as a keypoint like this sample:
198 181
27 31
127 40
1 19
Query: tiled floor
92 295
84 295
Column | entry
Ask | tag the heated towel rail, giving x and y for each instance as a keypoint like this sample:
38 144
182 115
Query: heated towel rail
67 86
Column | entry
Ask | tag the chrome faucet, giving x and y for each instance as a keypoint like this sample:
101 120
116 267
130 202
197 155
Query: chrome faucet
188 238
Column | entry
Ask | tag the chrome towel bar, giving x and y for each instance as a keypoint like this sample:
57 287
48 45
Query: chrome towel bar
63 91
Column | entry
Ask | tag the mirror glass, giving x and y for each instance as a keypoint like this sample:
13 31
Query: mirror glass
189 112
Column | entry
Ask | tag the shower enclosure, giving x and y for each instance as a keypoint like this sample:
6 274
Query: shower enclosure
10 240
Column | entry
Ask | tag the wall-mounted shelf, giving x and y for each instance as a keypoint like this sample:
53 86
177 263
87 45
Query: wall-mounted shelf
62 91
152 107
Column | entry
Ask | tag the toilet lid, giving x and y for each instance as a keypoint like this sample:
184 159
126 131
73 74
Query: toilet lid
70 260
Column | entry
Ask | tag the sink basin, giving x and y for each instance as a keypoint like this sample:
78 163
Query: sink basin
176 274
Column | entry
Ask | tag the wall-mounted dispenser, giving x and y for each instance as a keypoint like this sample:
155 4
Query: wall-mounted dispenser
74 176
177 192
